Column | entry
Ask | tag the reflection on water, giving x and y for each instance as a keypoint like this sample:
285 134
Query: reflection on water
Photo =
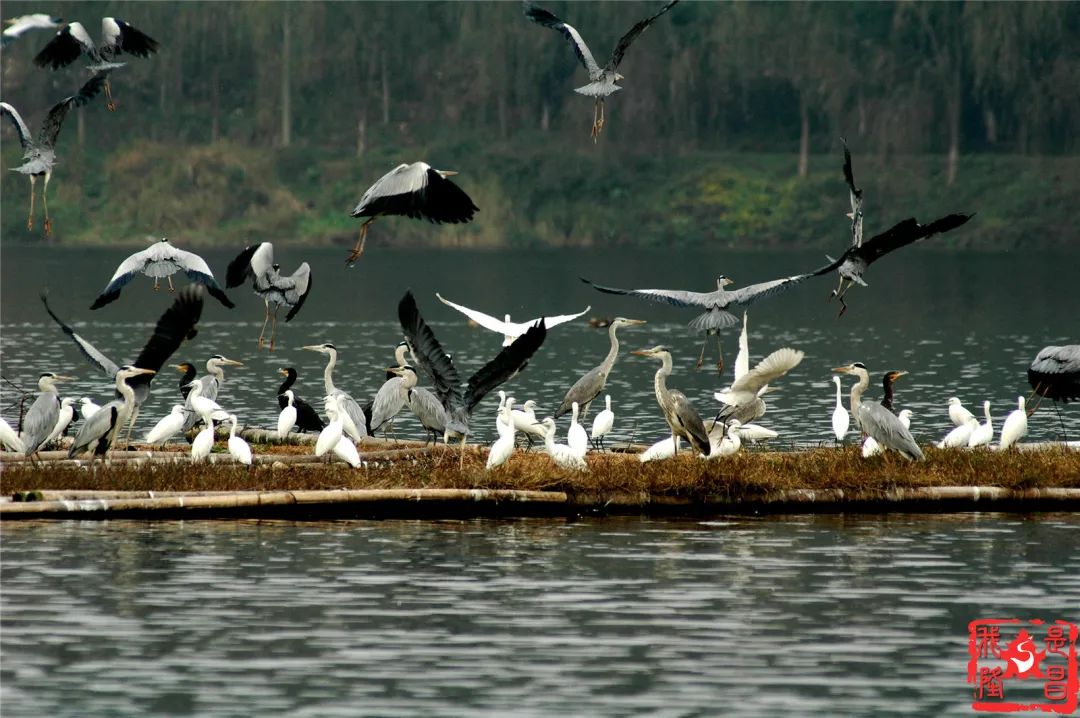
781 616
963 325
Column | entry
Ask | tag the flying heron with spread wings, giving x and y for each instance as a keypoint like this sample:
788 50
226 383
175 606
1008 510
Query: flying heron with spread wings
267 281
39 155
18 26
601 79
510 330
161 259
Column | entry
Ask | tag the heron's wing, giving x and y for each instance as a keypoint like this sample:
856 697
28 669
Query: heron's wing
686 417
298 285
118 37
351 407
675 297
124 273
172 328
243 265
50 128
753 292
905 233
95 427
106 365
20 126
67 44
395 192
198 271
444 201
712 319
427 408
885 428
485 320
505 364
769 369
856 200
1058 360
428 354
543 17
550 322
632 34
1055 373
742 359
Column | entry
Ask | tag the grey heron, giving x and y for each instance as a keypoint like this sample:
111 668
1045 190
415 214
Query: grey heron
860 255
161 259
717 315
958 414
983 433
742 399
167 427
430 357
39 155
1055 374
209 385
63 421
392 397
267 281
307 419
561 454
602 80
117 38
9 440
510 330
841 419
414 190
187 369
602 424
681 417
238 448
18 26
870 446
43 414
589 386
1015 426
175 325
100 431
354 421
877 421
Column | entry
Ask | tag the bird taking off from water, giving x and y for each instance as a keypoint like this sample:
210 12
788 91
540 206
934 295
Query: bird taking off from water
418 191
17 26
161 259
510 330
117 38
39 155
601 79
267 281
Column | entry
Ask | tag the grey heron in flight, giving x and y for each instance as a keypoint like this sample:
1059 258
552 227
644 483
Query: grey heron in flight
39 155
161 259
860 255
510 330
1055 375
17 26
718 305
307 419
416 190
430 357
354 420
175 325
589 386
99 432
680 415
43 414
117 38
877 421
601 79
267 281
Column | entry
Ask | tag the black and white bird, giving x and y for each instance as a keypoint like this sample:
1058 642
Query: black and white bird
257 262
39 155
161 259
416 190
307 419
509 330
18 26
175 325
601 79
117 38
1055 375
860 255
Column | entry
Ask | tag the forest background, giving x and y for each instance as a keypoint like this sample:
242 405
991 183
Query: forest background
266 121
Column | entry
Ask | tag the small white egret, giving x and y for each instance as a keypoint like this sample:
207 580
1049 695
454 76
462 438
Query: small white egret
1015 426
984 434
958 437
841 419
203 443
755 433
331 435
958 413
9 439
663 449
504 445
168 426
562 454
87 408
237 446
67 414
287 418
602 423
525 421
576 437
345 450
725 443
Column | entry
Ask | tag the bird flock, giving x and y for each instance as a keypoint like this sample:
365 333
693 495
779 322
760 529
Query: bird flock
424 379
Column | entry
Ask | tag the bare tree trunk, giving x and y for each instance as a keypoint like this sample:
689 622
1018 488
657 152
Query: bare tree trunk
804 136
385 91
990 120
80 129
286 94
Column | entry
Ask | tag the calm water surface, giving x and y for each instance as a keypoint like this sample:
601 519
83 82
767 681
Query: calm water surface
840 615
964 325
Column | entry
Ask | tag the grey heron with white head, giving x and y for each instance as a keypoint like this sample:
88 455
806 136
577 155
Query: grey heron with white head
39 155
510 330
354 421
680 415
414 190
161 259
877 421
43 414
589 386
290 291
100 431
602 80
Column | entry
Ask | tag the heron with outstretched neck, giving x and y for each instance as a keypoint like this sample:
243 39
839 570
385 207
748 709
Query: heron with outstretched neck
589 386
681 417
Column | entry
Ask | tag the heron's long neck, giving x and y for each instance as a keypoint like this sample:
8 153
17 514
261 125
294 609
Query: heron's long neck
408 380
328 374
660 380
217 371
129 396
609 360
857 392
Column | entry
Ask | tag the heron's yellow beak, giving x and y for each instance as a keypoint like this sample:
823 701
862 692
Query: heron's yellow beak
641 352
842 369
140 370
62 377
447 173
313 348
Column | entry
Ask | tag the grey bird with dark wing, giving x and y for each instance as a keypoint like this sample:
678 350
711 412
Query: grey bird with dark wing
589 386
291 291
39 155
175 325
875 420
414 190
161 259
210 383
1055 375
43 414
742 400
602 80
681 417
99 432
117 38
353 419
392 397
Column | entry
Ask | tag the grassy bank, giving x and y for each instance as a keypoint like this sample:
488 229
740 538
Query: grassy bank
533 194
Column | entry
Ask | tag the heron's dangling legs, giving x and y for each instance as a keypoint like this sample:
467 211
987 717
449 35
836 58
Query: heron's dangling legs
596 123
359 248
701 357
171 287
30 217
157 283
266 318
601 127
720 353
1037 402
108 97
45 202
273 326
840 296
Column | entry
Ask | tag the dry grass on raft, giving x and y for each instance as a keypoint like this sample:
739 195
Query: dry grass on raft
744 475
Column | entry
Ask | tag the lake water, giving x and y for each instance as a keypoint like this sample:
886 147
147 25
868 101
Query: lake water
963 325
795 615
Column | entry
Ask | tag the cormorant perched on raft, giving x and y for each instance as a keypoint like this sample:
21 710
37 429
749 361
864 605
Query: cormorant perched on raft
307 419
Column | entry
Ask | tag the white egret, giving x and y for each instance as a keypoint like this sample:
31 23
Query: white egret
87 408
63 421
167 427
984 433
525 421
755 433
959 436
9 439
237 446
576 437
307 419
958 413
287 418
602 423
509 330
841 419
725 443
663 449
331 435
1015 426
562 454
504 445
